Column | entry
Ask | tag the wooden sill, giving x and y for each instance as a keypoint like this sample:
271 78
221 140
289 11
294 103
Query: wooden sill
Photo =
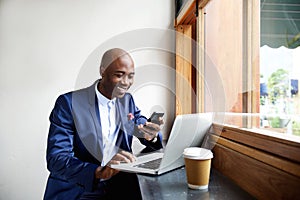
274 161
265 166
267 141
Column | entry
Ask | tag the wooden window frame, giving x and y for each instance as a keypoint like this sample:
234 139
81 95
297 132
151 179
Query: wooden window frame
265 165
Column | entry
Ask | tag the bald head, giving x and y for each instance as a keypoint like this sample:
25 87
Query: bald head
111 56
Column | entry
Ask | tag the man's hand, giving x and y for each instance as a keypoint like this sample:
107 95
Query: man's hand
151 130
122 156
107 172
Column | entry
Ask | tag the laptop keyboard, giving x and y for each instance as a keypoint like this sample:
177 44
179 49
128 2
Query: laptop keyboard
153 164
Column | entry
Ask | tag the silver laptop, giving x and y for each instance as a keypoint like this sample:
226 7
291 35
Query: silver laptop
187 130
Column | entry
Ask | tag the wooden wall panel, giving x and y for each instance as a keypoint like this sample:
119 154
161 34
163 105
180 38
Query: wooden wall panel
184 69
285 165
259 179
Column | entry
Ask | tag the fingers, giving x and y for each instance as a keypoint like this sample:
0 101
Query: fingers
105 172
150 134
161 121
108 172
149 137
149 127
123 156
150 130
127 156
152 126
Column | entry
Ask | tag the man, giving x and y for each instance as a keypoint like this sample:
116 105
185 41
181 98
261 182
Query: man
92 128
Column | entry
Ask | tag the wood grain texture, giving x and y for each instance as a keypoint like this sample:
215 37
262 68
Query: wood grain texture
187 13
259 179
184 69
278 146
267 158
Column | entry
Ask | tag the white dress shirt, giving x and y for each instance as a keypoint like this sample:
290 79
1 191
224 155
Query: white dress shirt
107 111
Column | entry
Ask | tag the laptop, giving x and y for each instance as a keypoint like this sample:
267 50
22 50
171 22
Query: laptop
187 130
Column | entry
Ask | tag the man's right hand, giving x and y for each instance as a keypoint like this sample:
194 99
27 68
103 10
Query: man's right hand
107 172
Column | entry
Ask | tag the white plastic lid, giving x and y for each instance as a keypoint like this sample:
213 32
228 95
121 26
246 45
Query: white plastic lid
197 153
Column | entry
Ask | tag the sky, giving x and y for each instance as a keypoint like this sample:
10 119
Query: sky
272 59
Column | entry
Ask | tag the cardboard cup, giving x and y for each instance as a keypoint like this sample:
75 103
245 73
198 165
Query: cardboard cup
197 166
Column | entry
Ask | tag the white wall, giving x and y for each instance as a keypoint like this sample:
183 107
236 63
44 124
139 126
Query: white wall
45 48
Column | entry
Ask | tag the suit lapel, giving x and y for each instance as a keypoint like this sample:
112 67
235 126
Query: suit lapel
87 120
94 111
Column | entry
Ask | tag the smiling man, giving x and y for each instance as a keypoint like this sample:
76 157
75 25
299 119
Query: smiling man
92 128
117 71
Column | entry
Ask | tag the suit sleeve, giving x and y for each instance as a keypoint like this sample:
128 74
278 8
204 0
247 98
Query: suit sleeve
61 161
140 119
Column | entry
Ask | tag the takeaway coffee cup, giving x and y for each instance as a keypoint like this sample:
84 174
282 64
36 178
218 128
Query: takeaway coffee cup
197 166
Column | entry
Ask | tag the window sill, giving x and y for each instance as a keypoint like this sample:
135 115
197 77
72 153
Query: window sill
259 161
286 146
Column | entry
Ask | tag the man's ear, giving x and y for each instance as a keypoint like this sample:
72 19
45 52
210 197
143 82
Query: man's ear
102 71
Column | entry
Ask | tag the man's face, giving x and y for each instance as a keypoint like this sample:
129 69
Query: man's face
118 77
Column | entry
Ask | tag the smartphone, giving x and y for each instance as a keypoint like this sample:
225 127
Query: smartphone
155 117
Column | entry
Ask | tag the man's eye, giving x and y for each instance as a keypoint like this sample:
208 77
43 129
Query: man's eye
119 75
131 76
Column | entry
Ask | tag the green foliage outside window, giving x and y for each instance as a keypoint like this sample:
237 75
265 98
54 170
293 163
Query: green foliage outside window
296 127
278 85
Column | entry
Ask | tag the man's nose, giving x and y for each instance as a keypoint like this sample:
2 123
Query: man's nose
125 80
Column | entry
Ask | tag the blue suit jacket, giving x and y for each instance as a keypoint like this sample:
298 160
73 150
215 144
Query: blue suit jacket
74 148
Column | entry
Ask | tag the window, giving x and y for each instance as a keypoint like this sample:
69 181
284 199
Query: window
231 35
279 65
251 57
231 59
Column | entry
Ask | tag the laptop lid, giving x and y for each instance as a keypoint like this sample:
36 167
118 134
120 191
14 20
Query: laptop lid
188 130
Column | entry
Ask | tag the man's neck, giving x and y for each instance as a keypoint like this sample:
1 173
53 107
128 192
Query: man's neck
102 90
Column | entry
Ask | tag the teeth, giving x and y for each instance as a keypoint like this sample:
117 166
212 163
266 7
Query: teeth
121 88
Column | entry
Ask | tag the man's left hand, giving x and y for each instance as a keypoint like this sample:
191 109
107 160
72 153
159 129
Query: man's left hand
150 129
